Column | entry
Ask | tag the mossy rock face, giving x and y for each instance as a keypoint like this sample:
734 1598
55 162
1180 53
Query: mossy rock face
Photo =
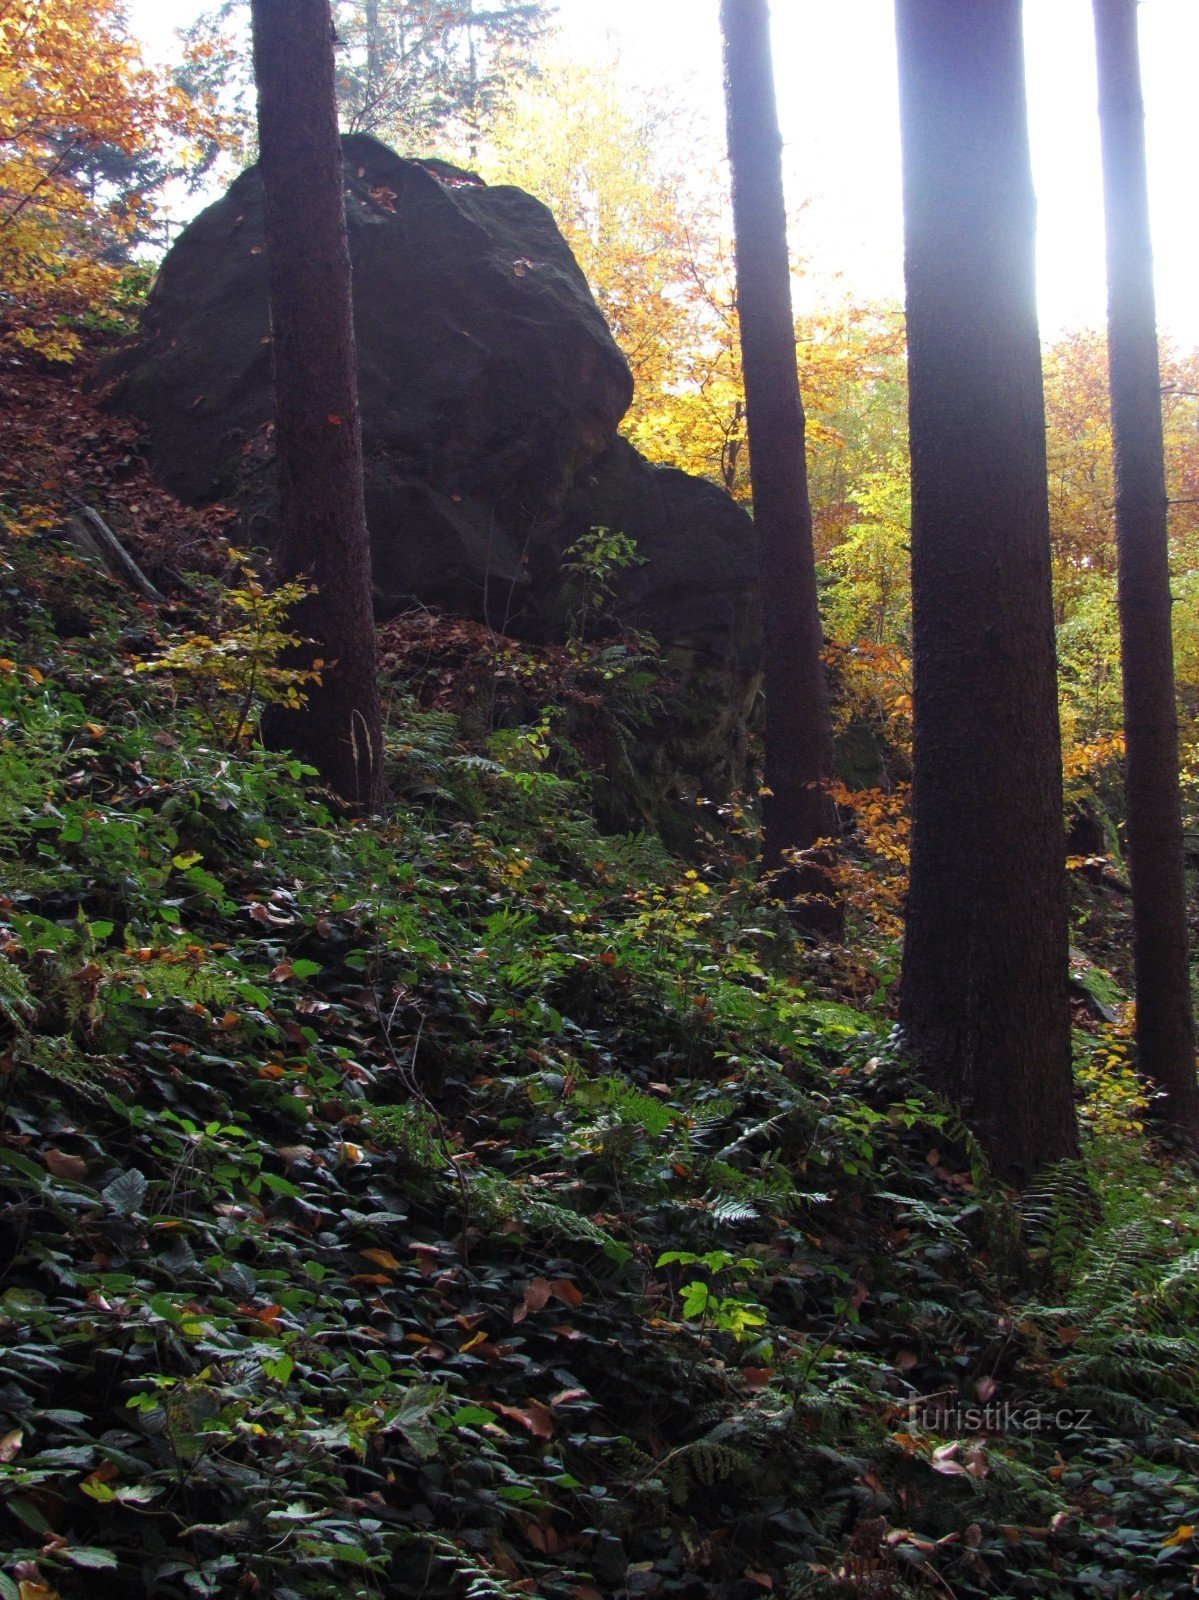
491 392
1098 988
859 760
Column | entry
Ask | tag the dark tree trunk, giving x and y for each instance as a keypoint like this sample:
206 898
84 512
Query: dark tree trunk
1165 1030
798 810
986 956
318 433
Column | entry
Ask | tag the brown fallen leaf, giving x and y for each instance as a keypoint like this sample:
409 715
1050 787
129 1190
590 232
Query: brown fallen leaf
534 1417
62 1165
536 1298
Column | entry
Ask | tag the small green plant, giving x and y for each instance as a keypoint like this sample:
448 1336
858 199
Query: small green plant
240 666
591 565
733 1313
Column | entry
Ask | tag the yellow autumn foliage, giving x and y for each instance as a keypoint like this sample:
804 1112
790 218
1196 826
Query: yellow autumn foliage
72 80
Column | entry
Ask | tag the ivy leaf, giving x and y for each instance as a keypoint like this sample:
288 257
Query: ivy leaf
91 1556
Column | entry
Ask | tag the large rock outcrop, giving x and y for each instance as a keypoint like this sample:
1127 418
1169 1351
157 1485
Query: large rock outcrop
491 393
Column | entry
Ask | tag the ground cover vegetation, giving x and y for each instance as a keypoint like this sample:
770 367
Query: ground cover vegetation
478 1201
471 1202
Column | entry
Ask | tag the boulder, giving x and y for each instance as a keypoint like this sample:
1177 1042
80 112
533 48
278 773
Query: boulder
491 392
693 587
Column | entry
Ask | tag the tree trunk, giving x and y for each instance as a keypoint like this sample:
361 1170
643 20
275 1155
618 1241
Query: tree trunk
373 51
1165 1030
986 955
798 811
318 432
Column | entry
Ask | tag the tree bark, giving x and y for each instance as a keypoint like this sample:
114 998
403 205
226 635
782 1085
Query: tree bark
986 952
318 431
1164 1025
798 811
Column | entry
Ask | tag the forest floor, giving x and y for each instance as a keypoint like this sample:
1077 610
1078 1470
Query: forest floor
475 1202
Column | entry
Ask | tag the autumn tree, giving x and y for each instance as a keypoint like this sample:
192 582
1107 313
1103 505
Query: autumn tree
985 961
83 123
322 516
644 231
427 76
798 810
412 69
1164 1025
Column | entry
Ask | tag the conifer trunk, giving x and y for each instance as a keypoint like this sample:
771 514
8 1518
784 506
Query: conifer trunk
323 533
1164 1024
798 810
985 999
373 53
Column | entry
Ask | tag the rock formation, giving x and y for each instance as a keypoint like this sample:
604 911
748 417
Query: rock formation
491 394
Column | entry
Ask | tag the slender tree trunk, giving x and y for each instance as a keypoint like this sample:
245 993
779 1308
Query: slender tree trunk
986 957
798 811
1165 1030
472 92
318 433
373 51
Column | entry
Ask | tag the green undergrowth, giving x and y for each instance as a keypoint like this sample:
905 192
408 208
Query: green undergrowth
469 1204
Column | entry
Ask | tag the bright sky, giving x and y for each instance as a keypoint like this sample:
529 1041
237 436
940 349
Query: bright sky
835 64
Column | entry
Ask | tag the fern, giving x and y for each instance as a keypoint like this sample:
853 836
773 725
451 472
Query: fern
479 1581
16 1002
730 1210
62 1062
501 1200
639 1110
192 982
709 1461
412 1132
1057 1216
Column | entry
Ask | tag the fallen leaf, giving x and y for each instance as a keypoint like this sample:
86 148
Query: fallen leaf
755 1378
536 1297
534 1417
543 1537
62 1165
381 1258
426 1259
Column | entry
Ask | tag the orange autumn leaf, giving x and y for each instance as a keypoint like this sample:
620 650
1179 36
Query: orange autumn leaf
381 1258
